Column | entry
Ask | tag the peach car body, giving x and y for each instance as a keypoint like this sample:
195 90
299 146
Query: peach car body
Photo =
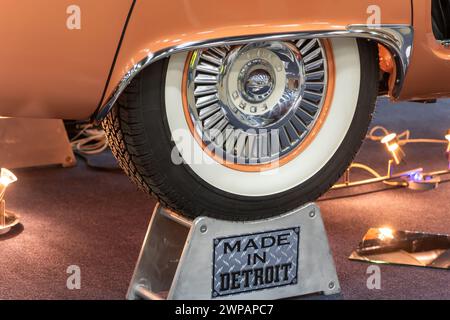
50 70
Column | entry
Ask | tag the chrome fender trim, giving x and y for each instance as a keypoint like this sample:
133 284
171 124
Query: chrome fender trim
397 38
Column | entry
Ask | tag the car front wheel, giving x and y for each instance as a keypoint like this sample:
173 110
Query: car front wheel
246 132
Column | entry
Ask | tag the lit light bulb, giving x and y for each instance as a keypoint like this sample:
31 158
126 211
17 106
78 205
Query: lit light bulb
385 234
7 177
392 145
447 136
7 219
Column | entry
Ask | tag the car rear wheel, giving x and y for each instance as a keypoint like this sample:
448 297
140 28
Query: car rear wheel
249 131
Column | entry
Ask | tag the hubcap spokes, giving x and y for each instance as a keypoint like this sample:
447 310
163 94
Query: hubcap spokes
255 103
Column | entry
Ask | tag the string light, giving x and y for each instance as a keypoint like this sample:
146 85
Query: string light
447 136
392 144
414 179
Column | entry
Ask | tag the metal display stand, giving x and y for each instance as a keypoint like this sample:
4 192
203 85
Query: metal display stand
34 142
281 257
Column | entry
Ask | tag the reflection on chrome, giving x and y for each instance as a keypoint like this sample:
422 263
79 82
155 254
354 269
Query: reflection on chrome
239 92
384 245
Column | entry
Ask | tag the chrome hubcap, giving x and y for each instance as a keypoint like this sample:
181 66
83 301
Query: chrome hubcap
257 102
256 85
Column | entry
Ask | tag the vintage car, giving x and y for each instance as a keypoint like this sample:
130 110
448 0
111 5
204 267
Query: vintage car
232 109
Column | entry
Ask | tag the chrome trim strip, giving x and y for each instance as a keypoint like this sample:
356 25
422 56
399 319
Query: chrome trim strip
397 38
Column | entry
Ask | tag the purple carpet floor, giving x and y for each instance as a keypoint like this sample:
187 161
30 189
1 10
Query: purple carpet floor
97 220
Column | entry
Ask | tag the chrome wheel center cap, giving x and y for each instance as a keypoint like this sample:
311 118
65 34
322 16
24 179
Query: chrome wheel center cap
262 84
258 83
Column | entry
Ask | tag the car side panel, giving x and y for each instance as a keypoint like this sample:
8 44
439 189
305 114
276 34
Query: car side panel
429 72
157 25
48 70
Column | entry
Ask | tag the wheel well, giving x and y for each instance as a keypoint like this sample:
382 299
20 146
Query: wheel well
440 13
397 38
388 73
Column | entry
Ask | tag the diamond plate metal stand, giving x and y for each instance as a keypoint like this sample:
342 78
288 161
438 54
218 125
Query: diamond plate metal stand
281 257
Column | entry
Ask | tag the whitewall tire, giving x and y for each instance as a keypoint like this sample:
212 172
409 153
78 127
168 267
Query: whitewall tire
150 126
